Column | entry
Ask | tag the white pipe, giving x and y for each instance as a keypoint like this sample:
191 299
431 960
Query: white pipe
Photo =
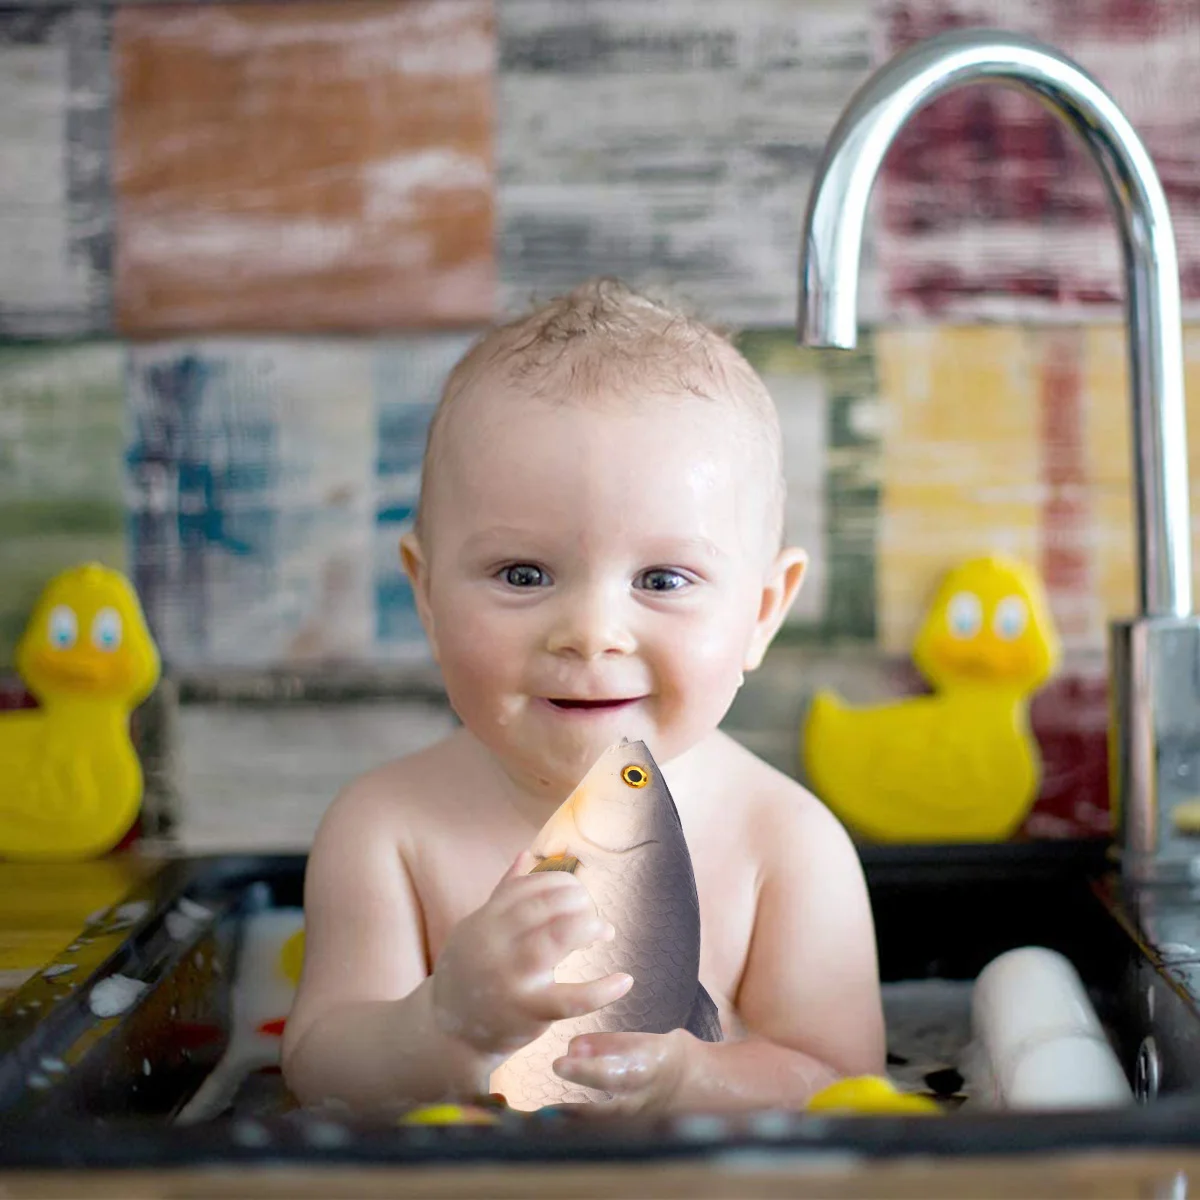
1041 1042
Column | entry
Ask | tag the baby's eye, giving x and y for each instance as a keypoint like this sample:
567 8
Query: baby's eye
64 627
524 575
106 629
662 580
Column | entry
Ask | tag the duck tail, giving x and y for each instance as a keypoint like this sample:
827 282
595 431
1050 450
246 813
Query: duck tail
823 710
823 705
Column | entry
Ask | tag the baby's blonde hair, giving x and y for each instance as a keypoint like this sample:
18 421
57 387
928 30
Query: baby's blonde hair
604 340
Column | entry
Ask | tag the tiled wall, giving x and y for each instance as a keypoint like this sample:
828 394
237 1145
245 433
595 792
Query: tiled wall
241 245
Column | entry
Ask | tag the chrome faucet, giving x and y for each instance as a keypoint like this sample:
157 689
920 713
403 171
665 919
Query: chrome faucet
1154 736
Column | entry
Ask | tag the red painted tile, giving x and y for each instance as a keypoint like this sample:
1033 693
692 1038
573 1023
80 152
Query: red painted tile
306 166
991 206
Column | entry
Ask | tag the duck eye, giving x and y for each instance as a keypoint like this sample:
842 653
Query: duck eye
64 627
635 776
1012 615
106 629
965 614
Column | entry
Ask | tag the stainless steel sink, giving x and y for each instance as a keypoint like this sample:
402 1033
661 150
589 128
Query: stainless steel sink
105 1090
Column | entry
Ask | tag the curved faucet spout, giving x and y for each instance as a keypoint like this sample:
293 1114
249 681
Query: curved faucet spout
833 236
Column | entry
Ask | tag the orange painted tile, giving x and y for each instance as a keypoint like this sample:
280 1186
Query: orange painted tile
307 166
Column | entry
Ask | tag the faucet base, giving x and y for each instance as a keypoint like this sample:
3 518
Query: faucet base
1154 746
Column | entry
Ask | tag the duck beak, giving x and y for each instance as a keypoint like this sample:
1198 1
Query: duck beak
78 668
993 661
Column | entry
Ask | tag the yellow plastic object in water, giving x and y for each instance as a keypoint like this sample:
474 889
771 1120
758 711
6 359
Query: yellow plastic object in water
870 1095
449 1114
291 957
961 764
70 779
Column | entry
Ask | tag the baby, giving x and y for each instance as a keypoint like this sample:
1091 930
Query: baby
597 555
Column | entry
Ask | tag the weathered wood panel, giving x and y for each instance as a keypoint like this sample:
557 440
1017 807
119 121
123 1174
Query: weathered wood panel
671 143
961 470
55 202
1110 463
250 469
827 407
61 442
799 390
293 759
309 166
409 375
1014 438
270 483
992 209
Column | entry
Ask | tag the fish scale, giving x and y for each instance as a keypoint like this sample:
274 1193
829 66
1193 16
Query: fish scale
634 861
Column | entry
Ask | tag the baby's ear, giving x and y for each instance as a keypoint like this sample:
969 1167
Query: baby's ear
779 593
412 559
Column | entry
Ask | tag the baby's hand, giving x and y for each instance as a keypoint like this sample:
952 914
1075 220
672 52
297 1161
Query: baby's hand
493 985
642 1071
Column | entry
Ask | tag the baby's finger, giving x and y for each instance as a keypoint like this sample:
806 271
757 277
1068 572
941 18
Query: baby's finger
536 899
542 948
521 865
603 1045
621 1074
559 1000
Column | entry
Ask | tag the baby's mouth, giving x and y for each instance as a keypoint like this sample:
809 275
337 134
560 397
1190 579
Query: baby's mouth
593 704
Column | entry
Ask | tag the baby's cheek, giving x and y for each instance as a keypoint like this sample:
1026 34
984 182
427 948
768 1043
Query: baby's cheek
703 682
468 669
712 653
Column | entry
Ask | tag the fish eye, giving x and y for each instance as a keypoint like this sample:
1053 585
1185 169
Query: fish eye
964 614
106 629
635 776
64 627
1012 615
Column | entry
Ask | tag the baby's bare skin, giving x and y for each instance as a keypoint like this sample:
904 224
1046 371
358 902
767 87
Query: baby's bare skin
616 552
787 948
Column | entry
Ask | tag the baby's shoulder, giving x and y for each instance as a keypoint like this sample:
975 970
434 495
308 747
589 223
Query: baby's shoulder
780 816
400 793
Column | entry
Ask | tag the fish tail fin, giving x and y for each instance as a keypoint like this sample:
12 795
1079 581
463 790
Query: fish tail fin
704 1022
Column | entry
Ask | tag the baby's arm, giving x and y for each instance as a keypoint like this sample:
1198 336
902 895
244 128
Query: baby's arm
809 996
370 1027
362 1023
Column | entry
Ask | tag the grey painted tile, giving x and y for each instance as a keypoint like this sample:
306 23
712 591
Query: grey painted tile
56 208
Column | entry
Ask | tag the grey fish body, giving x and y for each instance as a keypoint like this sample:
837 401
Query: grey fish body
634 861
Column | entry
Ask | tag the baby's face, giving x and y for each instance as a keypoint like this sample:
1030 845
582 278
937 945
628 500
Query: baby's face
592 574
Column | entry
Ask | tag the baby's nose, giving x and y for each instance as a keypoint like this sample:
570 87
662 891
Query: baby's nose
590 625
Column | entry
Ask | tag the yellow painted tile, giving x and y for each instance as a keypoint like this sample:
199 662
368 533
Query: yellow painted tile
960 462
1110 463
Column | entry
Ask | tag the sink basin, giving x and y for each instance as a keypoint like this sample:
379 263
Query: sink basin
100 1075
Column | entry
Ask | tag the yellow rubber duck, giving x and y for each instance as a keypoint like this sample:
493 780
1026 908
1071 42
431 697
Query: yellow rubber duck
70 779
870 1095
961 764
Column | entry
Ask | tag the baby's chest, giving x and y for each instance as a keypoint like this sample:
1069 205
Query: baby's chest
456 883
727 895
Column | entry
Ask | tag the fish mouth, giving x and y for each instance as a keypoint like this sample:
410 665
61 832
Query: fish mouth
618 849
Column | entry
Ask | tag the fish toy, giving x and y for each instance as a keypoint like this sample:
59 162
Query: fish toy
620 835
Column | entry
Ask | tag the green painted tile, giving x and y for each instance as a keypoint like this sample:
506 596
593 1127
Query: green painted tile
61 451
